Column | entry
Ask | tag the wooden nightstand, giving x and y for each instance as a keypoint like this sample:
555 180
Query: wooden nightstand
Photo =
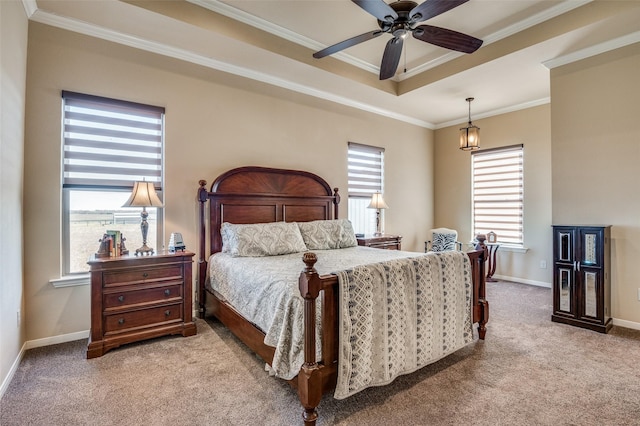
139 297
385 241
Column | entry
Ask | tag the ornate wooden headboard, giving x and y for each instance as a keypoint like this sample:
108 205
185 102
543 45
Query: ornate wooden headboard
258 195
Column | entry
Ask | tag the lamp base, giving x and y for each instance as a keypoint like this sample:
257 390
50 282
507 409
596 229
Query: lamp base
144 250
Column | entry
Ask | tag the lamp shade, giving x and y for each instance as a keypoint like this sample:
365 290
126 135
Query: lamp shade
143 195
470 138
377 202
470 135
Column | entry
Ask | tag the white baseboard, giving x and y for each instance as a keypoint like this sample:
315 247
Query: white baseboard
626 324
54 340
12 371
523 281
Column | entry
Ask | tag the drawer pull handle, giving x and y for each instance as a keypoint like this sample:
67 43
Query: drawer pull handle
121 298
145 275
167 313
121 321
167 292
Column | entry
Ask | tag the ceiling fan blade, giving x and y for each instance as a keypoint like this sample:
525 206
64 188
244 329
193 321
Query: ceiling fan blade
391 58
448 39
378 8
430 8
346 43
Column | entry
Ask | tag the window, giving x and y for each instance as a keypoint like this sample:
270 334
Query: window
498 201
365 174
107 146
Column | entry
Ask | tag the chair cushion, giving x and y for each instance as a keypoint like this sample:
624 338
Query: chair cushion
443 239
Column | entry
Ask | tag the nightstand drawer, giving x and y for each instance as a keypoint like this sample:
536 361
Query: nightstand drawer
386 246
141 275
387 242
145 317
129 298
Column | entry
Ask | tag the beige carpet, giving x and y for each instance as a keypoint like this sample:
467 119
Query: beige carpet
529 371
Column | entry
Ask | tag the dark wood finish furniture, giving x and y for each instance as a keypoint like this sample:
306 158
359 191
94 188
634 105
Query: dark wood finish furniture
258 195
581 276
492 251
385 241
139 297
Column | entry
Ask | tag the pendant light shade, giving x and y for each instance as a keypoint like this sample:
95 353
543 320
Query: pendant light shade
470 135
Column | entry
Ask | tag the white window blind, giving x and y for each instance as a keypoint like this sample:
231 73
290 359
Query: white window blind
498 193
365 172
110 144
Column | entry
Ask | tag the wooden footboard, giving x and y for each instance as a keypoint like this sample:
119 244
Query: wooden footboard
317 377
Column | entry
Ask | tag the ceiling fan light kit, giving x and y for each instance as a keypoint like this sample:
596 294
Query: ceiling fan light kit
401 18
470 135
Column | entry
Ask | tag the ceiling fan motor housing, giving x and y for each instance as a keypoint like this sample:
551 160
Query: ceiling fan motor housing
402 24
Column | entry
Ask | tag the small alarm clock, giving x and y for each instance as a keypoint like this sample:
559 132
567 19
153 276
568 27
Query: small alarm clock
176 243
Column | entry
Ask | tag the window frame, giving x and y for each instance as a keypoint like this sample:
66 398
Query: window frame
117 186
360 188
505 237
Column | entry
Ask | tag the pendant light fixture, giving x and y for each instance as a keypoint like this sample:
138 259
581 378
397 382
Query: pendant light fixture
470 135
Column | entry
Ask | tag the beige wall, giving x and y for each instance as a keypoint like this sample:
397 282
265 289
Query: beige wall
530 127
214 122
13 62
596 158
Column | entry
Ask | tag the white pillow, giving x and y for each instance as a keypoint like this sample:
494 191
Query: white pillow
328 234
261 239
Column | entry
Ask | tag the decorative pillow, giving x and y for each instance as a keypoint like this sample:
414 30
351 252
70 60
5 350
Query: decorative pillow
443 240
261 239
328 234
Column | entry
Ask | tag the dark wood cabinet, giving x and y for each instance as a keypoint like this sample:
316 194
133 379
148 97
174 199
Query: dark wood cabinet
139 297
385 241
581 276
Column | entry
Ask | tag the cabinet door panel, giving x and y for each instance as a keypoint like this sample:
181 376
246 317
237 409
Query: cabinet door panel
565 289
565 246
590 295
590 247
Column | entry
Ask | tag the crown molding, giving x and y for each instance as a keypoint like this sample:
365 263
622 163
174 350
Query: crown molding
264 25
531 21
492 113
30 7
195 58
594 50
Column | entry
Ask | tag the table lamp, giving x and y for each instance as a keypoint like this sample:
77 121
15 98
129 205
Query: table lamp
143 195
377 203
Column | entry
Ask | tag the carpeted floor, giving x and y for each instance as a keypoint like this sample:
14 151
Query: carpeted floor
529 371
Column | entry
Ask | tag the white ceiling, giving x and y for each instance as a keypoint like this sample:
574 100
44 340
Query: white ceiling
272 41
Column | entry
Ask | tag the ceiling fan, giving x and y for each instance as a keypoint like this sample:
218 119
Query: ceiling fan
401 18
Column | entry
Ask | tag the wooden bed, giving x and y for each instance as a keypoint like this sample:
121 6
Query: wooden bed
259 195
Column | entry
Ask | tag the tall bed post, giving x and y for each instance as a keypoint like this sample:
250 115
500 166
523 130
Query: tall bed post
310 378
480 303
481 290
202 262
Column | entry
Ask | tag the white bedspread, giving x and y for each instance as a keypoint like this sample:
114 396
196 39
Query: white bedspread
265 291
